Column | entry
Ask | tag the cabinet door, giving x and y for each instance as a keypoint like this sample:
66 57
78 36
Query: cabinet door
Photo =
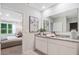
65 50
53 48
57 47
41 44
44 45
38 43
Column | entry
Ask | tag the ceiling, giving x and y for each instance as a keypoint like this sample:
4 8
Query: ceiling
41 6
8 15
68 14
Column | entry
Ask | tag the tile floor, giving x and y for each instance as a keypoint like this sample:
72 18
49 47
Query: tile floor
17 50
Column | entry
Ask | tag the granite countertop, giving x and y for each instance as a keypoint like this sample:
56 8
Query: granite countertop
59 38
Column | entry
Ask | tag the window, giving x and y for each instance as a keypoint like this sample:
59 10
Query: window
5 28
9 28
74 26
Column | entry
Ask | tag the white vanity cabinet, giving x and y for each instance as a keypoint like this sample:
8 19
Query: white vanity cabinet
41 44
59 47
53 49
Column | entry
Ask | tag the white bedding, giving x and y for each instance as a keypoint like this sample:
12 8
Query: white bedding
11 37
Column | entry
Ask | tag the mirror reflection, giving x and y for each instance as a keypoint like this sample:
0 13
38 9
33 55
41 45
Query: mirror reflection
62 22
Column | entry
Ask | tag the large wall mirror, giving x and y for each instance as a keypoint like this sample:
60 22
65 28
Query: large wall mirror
63 22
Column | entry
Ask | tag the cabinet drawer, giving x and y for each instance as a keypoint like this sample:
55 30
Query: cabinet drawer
41 44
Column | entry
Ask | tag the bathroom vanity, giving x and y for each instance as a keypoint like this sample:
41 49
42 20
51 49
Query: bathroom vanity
56 45
63 24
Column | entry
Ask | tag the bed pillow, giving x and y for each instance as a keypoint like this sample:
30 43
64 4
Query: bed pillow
11 37
3 38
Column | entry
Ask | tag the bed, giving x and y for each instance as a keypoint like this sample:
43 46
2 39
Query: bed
10 42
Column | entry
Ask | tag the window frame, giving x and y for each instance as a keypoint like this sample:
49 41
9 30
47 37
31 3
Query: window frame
6 29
